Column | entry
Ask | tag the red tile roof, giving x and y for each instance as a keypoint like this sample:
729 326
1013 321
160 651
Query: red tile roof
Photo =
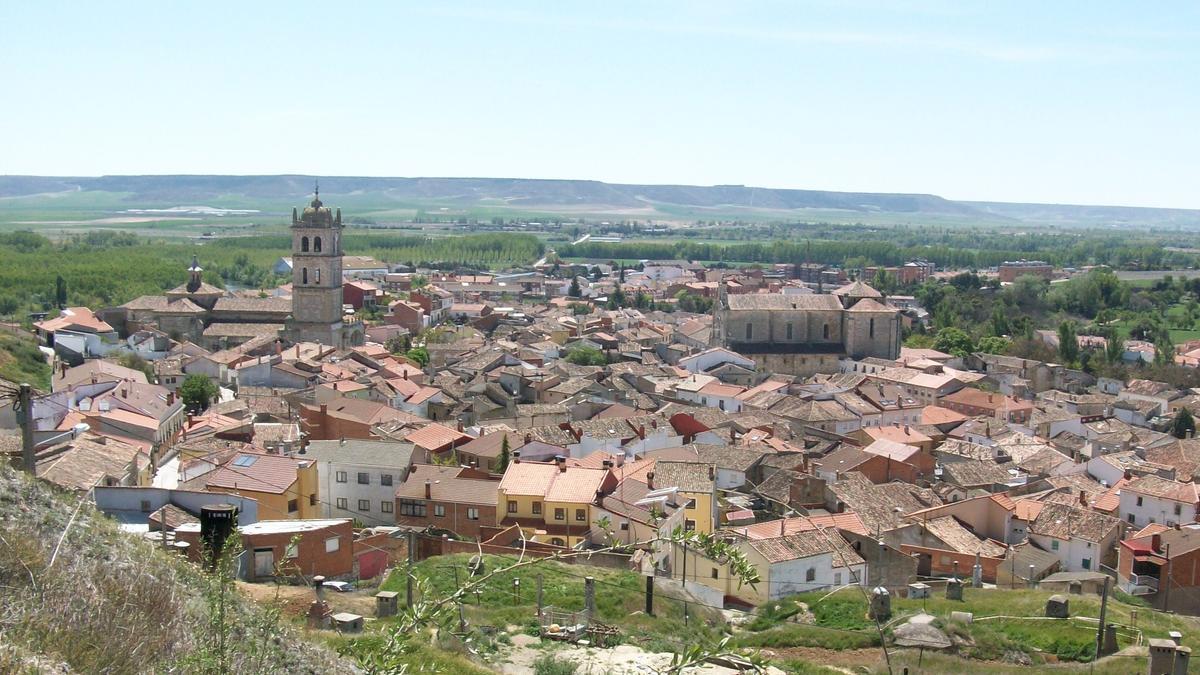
436 436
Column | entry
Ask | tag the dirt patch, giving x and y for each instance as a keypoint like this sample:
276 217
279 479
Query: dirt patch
620 660
295 600
845 659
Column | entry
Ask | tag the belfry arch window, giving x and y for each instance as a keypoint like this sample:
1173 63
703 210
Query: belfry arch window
317 244
304 275
304 244
825 331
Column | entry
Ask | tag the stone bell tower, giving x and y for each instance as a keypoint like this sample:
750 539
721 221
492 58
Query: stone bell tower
317 279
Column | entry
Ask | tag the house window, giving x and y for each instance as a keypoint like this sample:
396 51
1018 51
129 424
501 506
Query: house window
749 331
293 505
364 505
556 541
472 514
1130 519
872 325
537 508
721 404
364 478
837 578
691 504
811 574
439 510
333 544
1178 509
825 335
715 573
146 506
316 244
412 507
1139 501
560 514
312 500
689 525
340 477
581 515
625 526
789 336
1087 563
341 502
386 506
292 551
1054 545
512 506
385 479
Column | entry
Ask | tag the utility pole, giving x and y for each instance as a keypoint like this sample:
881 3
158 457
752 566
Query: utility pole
1166 602
539 595
1100 628
25 418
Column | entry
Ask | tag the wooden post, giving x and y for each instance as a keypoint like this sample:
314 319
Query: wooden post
589 597
25 418
1100 627
649 595
408 577
539 595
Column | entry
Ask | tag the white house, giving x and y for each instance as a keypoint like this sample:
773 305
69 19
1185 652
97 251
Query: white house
358 478
1080 537
1152 499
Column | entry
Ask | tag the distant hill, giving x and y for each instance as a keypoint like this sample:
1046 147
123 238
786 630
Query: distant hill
566 196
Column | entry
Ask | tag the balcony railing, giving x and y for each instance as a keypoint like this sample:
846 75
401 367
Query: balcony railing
1142 584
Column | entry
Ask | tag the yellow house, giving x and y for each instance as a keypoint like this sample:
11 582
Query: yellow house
285 487
697 487
552 503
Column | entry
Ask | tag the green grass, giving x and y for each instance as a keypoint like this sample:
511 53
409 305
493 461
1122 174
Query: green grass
22 361
807 635
620 599
841 623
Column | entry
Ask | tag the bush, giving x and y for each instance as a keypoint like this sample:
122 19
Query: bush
800 635
549 664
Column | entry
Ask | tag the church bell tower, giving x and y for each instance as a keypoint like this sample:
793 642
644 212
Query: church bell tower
317 278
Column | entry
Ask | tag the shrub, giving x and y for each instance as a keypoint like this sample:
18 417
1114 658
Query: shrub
549 664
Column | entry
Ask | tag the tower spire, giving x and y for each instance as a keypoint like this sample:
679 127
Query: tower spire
316 202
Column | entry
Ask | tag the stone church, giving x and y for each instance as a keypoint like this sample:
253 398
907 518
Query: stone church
317 314
807 334
216 319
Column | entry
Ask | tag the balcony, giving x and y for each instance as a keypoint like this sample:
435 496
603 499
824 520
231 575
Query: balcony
1141 584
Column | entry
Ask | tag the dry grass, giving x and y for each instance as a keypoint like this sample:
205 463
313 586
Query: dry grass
113 603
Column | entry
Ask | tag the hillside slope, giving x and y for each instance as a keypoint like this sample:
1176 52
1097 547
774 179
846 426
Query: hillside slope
106 601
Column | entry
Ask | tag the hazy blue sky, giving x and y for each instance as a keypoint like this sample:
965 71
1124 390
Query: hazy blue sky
1082 102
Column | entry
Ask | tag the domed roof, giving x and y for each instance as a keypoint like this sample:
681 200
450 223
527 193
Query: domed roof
857 289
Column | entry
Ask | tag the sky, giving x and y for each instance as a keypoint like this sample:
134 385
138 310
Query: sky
1058 102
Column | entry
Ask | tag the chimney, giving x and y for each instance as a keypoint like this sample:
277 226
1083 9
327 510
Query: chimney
343 441
1156 542
170 398
516 457
712 472
642 431
460 426
650 480
428 489
1176 525
297 351
412 468
561 462
782 526
324 409
607 463
1083 498
406 373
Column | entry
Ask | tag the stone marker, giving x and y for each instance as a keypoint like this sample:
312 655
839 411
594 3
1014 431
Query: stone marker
1058 607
